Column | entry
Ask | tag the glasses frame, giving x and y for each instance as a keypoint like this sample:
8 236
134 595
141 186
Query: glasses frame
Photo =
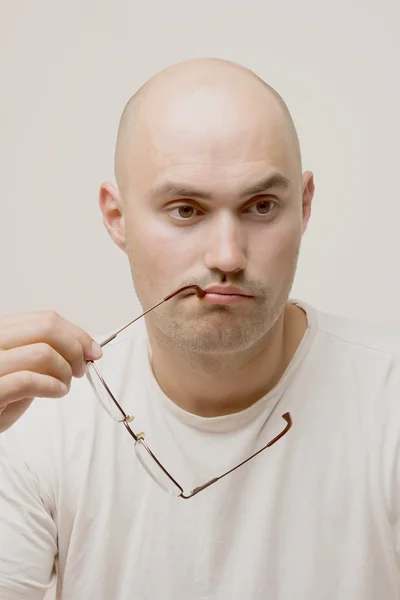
139 437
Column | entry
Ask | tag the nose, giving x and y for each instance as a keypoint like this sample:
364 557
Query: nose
225 245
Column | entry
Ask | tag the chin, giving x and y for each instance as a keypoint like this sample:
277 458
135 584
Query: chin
217 340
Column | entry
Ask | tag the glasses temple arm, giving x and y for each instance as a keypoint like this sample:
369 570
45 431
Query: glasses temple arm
198 291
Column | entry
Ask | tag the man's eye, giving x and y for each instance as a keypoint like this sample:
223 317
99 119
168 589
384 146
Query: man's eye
185 211
263 207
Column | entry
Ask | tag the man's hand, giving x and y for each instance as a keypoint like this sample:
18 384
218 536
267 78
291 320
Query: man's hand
40 352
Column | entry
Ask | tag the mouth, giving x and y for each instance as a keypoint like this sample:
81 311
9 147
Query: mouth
225 295
222 294
212 298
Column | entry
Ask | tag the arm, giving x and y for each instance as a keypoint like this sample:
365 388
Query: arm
28 533
40 353
386 434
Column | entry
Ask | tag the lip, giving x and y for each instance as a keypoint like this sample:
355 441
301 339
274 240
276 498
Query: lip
226 290
225 294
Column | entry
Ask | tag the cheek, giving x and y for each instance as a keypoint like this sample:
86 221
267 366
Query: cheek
158 248
278 250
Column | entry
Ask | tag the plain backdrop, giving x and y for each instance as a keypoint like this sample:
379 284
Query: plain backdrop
67 70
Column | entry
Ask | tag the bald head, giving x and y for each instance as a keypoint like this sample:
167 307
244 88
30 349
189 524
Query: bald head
204 96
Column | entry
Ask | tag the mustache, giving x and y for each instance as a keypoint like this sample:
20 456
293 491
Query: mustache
250 287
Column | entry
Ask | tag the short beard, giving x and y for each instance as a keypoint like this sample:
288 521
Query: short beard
231 334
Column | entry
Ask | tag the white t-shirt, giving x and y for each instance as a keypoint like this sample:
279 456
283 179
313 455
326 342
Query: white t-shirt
314 517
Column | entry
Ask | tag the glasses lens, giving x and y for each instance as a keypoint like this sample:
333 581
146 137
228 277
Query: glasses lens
102 395
153 469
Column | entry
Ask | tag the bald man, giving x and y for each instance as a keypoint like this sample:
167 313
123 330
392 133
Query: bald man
232 443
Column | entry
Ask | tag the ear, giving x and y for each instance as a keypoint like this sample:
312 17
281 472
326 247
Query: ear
113 217
308 194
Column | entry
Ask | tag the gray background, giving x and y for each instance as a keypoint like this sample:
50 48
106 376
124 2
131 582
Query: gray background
67 69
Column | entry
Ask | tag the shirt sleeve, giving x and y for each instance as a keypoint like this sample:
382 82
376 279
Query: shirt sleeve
28 532
386 428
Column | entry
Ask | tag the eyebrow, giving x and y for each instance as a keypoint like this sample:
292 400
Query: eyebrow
176 189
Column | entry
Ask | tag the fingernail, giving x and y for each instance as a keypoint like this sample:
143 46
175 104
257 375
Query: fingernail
96 351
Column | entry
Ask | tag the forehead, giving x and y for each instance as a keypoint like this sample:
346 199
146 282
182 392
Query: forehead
214 135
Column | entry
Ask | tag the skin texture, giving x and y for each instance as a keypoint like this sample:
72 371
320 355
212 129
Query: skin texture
193 145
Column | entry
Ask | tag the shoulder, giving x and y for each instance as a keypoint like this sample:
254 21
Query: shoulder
361 359
360 334
352 341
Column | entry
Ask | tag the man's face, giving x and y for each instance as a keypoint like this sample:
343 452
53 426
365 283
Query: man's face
195 212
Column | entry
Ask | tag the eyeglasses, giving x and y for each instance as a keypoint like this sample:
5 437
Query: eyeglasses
146 457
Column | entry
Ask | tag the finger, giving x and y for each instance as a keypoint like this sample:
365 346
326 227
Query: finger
26 384
74 344
39 358
53 318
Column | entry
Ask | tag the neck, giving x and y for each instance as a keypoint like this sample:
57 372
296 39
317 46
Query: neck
210 385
